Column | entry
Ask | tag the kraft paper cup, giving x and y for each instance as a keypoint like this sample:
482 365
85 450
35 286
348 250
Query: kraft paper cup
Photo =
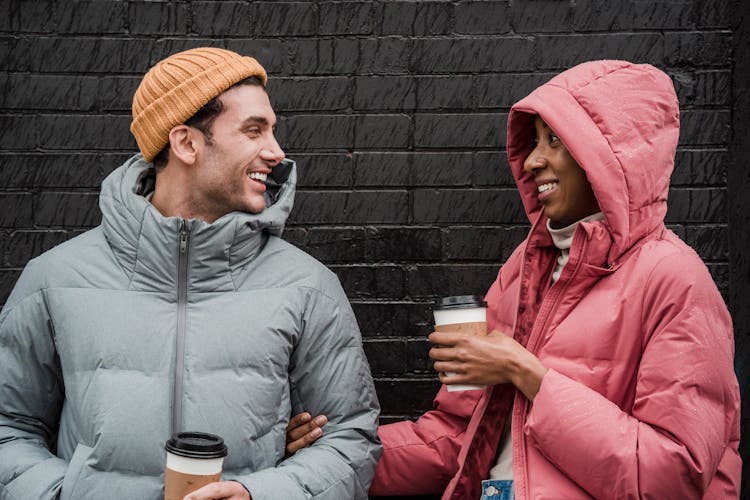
194 459
461 313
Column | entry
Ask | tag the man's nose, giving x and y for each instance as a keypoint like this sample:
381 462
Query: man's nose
272 153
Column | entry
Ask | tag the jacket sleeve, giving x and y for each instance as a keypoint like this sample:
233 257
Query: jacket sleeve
422 457
31 395
686 404
329 375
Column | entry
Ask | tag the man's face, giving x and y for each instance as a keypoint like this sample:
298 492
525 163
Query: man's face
230 170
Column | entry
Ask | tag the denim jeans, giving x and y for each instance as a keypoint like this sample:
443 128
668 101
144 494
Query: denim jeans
497 489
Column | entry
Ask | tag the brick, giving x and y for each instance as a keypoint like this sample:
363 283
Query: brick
386 357
359 207
496 206
85 132
67 210
459 130
222 19
703 88
91 16
330 170
378 319
116 92
615 15
413 169
403 244
462 55
22 246
696 205
48 92
483 243
541 16
157 18
385 92
284 18
79 55
367 281
387 56
504 90
8 278
47 170
720 273
491 168
269 53
336 245
704 126
564 51
434 280
310 94
16 210
417 356
701 167
297 236
711 242
6 23
19 131
713 88
406 396
715 14
305 132
482 17
698 49
306 56
444 92
31 16
382 131
416 18
346 18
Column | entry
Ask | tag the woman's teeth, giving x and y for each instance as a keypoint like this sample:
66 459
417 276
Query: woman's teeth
546 187
258 176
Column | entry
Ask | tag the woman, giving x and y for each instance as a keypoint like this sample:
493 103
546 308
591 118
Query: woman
610 361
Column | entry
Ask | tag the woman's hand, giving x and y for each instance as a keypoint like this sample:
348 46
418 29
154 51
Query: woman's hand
487 360
302 431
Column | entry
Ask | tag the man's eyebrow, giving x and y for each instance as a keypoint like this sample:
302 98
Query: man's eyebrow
255 119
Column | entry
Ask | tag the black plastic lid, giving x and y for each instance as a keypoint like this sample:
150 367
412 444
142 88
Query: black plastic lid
460 302
196 445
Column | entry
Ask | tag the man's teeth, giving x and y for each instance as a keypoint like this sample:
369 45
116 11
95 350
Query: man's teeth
546 187
258 176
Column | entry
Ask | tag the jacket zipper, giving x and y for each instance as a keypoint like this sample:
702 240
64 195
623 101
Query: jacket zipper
179 365
532 348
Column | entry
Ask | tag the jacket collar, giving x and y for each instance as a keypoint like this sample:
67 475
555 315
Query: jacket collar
146 244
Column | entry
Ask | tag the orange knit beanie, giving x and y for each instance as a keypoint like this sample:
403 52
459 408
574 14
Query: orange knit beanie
178 86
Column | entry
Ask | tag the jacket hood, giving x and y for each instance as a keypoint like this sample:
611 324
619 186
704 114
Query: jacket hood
620 122
141 237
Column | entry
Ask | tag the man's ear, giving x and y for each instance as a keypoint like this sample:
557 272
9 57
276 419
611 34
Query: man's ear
182 144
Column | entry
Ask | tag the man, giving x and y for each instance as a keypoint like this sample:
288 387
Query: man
185 311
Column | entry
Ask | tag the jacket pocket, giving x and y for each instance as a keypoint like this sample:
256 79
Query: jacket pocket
73 474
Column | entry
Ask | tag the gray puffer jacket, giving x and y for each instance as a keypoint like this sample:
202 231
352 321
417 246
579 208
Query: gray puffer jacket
149 324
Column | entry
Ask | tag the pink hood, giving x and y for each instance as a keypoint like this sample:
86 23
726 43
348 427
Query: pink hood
612 128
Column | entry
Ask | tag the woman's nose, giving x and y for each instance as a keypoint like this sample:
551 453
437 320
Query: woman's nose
534 161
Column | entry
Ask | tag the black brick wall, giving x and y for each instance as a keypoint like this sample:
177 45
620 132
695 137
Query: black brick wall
395 111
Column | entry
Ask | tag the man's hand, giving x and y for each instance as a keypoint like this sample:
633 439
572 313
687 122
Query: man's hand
302 431
222 490
487 360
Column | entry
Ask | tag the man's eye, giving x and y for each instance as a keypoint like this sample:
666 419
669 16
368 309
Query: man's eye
253 132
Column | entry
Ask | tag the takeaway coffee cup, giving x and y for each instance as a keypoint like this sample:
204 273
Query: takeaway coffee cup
461 313
194 459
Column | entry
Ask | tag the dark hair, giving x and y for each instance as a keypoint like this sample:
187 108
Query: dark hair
203 119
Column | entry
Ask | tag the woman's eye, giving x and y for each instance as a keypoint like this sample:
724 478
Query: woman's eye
553 138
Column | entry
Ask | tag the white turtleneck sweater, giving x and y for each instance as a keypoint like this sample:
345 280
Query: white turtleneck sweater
563 239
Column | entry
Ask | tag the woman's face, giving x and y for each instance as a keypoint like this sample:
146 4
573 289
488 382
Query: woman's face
562 186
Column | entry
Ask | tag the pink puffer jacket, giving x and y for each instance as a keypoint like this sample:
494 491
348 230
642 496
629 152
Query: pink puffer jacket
641 400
